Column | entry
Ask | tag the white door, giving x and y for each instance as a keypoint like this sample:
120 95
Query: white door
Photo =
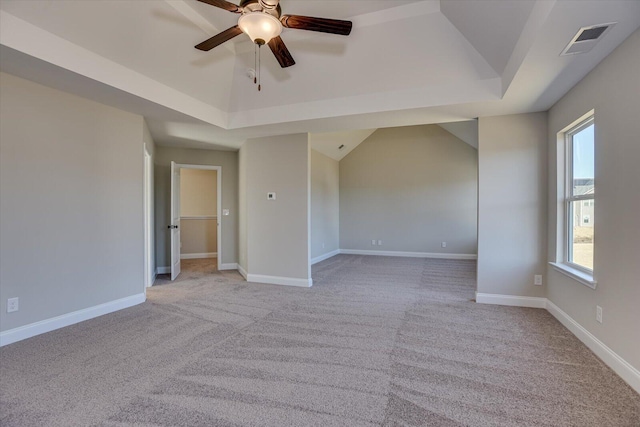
175 221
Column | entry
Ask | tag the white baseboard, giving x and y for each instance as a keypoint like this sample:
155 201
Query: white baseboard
620 366
275 280
48 325
325 256
164 270
409 254
511 300
199 256
242 272
228 266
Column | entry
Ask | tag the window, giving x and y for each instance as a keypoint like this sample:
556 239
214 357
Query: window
574 255
580 195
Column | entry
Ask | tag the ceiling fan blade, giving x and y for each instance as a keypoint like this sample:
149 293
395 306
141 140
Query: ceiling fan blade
281 52
222 4
323 25
218 39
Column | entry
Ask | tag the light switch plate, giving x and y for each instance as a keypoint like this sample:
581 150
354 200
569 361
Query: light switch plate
271 196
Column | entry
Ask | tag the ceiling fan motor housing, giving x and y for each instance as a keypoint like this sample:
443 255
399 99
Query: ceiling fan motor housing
265 6
269 4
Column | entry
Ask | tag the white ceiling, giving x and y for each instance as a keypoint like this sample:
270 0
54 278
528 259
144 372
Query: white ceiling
330 143
337 145
405 63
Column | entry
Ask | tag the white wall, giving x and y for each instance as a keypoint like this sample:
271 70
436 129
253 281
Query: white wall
613 90
413 188
512 203
277 231
228 160
325 204
71 203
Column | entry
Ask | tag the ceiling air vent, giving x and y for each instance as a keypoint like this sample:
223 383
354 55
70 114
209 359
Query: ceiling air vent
586 38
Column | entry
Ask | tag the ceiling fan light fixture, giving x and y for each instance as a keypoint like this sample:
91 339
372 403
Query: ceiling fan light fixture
261 27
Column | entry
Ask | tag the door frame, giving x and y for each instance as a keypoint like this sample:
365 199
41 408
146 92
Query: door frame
218 170
149 273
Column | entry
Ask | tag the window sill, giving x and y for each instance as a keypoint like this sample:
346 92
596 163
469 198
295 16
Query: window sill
578 275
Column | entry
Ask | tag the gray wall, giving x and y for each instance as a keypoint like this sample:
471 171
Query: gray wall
198 236
277 231
229 162
512 208
613 89
411 187
71 202
325 204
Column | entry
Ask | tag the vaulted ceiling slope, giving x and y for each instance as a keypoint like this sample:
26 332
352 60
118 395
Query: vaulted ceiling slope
405 62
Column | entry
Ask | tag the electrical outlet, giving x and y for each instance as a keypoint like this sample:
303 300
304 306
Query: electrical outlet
13 305
598 314
379 242
537 280
373 242
444 244
271 196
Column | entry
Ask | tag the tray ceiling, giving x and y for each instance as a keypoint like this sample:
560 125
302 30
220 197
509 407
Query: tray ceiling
405 63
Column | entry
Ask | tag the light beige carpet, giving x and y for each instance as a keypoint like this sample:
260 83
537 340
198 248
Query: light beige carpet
376 341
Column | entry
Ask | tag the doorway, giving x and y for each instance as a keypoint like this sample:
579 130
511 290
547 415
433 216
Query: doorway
196 200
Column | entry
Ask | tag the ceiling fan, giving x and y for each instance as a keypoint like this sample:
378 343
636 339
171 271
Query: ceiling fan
262 21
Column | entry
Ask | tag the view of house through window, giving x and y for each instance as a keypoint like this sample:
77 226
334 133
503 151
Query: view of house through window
580 201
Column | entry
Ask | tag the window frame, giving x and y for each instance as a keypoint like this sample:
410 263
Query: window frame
569 197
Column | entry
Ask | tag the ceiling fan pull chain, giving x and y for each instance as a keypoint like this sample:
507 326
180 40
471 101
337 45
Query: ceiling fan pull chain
255 63
259 71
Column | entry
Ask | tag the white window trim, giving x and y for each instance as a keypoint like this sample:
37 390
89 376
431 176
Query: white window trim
581 274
